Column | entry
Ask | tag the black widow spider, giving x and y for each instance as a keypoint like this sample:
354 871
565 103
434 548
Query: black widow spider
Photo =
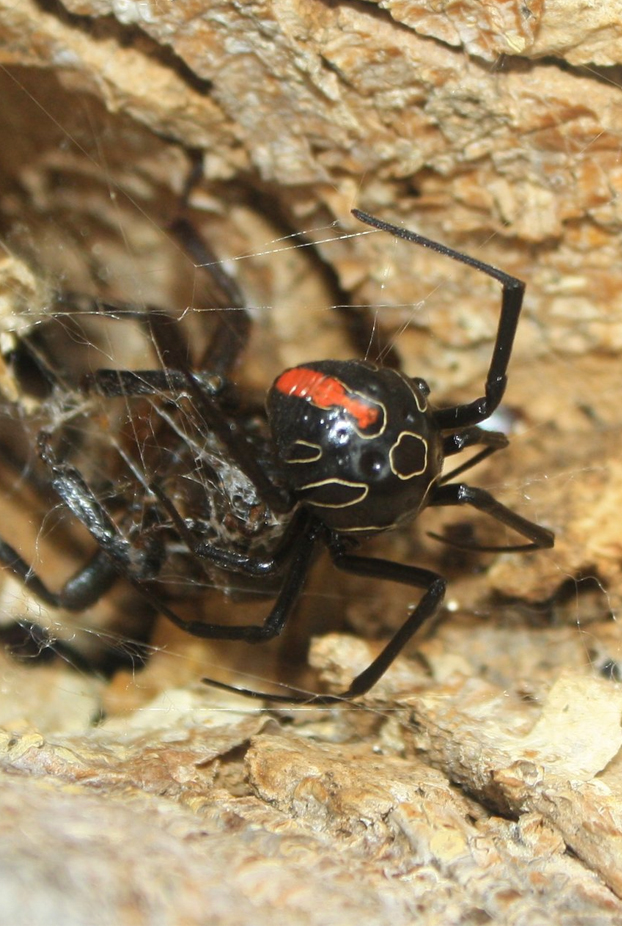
355 449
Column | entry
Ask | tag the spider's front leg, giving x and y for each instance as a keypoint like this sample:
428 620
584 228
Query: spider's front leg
112 558
473 413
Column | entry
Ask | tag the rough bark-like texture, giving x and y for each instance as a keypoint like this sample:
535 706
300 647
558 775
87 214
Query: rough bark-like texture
495 127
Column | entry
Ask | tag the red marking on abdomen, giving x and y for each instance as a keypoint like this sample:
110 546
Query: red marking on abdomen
326 392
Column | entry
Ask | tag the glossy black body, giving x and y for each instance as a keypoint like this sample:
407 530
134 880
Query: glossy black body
358 479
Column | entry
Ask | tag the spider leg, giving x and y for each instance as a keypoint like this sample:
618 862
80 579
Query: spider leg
387 570
132 383
470 437
135 563
239 448
226 305
462 416
224 299
456 443
203 388
462 494
25 639
173 353
300 554
294 580
80 591
83 589
231 335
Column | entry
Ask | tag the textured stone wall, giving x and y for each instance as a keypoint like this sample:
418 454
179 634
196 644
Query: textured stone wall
495 127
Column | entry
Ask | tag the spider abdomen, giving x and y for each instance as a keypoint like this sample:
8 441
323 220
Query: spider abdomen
358 443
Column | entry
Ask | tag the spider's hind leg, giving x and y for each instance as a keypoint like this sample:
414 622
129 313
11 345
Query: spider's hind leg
513 289
80 591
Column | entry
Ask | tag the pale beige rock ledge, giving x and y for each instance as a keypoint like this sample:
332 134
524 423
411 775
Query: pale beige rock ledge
179 816
579 33
443 117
